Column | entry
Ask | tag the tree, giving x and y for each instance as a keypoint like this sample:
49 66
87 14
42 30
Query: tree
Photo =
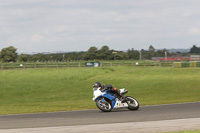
23 58
104 53
133 54
151 53
120 55
8 54
151 48
91 54
195 49
161 53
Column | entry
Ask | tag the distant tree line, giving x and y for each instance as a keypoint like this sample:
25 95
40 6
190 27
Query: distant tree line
9 54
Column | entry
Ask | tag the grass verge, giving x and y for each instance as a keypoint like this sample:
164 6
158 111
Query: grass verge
192 131
61 89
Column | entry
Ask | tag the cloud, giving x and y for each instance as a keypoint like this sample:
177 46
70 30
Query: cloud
36 37
194 31
77 24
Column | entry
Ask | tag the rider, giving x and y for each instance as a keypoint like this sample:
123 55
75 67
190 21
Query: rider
96 85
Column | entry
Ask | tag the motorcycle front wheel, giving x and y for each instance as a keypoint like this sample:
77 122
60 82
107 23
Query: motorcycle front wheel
132 103
104 105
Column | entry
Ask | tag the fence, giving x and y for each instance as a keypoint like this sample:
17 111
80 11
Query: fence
78 64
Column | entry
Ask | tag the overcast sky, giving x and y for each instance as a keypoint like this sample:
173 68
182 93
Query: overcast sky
76 25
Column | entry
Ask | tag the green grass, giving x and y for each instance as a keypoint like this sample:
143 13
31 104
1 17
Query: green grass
192 131
61 89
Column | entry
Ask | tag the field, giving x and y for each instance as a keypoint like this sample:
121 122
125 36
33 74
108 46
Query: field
64 89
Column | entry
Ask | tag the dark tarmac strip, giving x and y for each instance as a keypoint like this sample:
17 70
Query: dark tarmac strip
93 117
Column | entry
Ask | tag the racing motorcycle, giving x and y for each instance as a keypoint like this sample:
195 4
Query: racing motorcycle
106 100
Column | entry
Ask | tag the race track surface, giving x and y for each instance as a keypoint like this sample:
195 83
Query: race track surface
90 117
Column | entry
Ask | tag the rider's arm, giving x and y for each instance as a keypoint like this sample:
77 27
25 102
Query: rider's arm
107 87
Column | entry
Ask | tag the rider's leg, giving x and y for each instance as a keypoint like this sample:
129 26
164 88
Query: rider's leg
121 95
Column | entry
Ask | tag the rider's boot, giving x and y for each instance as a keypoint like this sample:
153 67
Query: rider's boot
123 98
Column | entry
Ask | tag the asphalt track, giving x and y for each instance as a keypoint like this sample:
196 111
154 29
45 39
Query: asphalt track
92 117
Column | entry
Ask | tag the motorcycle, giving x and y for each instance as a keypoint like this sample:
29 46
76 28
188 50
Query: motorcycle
106 100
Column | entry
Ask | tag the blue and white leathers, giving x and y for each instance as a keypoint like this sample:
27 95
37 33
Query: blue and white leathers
108 96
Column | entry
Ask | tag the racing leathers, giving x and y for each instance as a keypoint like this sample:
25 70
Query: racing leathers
115 91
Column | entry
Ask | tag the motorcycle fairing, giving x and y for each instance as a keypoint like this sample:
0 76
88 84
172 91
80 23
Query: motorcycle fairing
119 104
111 97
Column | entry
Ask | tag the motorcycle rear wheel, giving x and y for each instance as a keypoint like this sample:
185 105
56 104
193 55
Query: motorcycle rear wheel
103 106
132 103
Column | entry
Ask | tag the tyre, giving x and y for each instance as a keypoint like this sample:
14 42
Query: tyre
132 103
103 106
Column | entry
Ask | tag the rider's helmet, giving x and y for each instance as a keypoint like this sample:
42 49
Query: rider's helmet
96 85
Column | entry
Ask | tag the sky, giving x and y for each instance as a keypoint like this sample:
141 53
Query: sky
77 25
